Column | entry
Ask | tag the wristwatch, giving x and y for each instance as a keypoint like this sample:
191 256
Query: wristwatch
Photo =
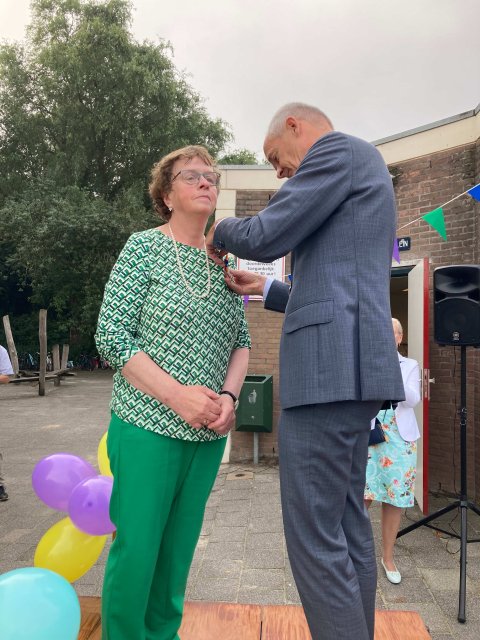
233 397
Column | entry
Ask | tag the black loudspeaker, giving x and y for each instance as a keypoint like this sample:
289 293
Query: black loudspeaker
456 305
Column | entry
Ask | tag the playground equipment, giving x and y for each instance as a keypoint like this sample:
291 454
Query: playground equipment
41 376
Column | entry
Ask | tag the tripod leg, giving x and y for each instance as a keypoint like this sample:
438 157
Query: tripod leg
432 516
463 479
463 564
474 508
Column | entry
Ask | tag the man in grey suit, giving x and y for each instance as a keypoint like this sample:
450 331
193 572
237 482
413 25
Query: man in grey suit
338 362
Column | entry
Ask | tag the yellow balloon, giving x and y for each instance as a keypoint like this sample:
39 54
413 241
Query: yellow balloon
102 457
68 551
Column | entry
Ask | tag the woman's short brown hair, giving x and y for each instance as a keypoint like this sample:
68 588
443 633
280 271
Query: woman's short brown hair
161 182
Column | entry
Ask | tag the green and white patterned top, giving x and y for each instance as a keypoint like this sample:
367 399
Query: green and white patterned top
146 307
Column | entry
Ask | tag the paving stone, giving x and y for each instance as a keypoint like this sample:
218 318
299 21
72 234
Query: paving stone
264 559
220 568
264 541
240 475
228 534
244 494
256 595
266 525
207 528
220 590
15 535
210 514
231 519
434 560
291 593
431 614
466 632
443 579
401 593
225 550
448 602
238 485
267 578
235 506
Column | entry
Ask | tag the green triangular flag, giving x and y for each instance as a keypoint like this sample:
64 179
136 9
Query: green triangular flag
436 220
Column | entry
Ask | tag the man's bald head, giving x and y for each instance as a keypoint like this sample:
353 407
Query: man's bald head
300 111
292 131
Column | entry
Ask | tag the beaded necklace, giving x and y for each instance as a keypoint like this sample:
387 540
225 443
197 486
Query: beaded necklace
206 293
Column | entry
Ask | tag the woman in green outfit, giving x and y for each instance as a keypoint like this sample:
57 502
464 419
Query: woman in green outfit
178 340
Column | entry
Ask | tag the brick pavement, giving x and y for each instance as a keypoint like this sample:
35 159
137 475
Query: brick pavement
241 555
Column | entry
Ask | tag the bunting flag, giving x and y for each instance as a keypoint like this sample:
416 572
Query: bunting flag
475 192
396 251
436 220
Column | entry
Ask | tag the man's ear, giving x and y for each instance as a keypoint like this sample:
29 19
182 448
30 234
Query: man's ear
292 125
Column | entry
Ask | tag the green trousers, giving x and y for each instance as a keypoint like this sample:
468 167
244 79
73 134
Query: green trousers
160 489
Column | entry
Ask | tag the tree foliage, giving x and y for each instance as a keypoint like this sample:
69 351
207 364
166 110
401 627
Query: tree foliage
85 111
239 156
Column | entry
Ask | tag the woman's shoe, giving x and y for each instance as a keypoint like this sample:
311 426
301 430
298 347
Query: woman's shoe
394 577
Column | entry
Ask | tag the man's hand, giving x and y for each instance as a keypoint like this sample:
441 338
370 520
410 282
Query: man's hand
216 255
245 283
226 419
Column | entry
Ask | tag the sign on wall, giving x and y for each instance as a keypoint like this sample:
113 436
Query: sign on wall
404 244
275 269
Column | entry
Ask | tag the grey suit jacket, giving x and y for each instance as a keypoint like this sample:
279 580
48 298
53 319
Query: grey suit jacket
337 216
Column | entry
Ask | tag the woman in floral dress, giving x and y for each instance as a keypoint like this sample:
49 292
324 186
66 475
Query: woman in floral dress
391 466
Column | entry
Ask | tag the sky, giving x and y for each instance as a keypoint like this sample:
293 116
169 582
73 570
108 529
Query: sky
376 67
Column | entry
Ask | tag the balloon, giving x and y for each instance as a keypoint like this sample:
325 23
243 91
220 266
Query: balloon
36 604
102 457
89 505
55 477
68 551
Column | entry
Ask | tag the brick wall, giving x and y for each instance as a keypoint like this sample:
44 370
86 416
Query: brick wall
265 328
476 359
421 185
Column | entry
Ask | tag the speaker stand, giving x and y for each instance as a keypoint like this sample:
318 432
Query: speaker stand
463 503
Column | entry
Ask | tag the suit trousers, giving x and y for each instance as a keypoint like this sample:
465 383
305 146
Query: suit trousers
160 489
323 459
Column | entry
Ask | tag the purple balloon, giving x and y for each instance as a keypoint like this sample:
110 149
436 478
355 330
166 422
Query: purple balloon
89 506
56 476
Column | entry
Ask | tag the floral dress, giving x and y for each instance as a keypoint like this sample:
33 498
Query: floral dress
391 466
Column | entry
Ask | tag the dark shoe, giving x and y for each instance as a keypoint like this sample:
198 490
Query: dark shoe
3 494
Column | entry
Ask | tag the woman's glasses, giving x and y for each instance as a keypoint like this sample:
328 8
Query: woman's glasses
193 177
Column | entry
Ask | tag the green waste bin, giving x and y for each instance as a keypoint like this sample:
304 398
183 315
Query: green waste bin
255 407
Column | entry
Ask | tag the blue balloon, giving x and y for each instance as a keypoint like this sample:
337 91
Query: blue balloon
38 604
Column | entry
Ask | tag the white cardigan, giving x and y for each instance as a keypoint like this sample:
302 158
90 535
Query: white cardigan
404 413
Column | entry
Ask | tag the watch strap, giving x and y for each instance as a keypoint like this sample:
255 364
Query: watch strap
232 396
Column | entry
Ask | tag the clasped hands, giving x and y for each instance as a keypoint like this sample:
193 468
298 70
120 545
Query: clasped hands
201 407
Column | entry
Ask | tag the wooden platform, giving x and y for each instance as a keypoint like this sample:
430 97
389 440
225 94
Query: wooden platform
209 620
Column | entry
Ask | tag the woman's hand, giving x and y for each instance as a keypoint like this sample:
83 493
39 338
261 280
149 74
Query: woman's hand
226 419
198 406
